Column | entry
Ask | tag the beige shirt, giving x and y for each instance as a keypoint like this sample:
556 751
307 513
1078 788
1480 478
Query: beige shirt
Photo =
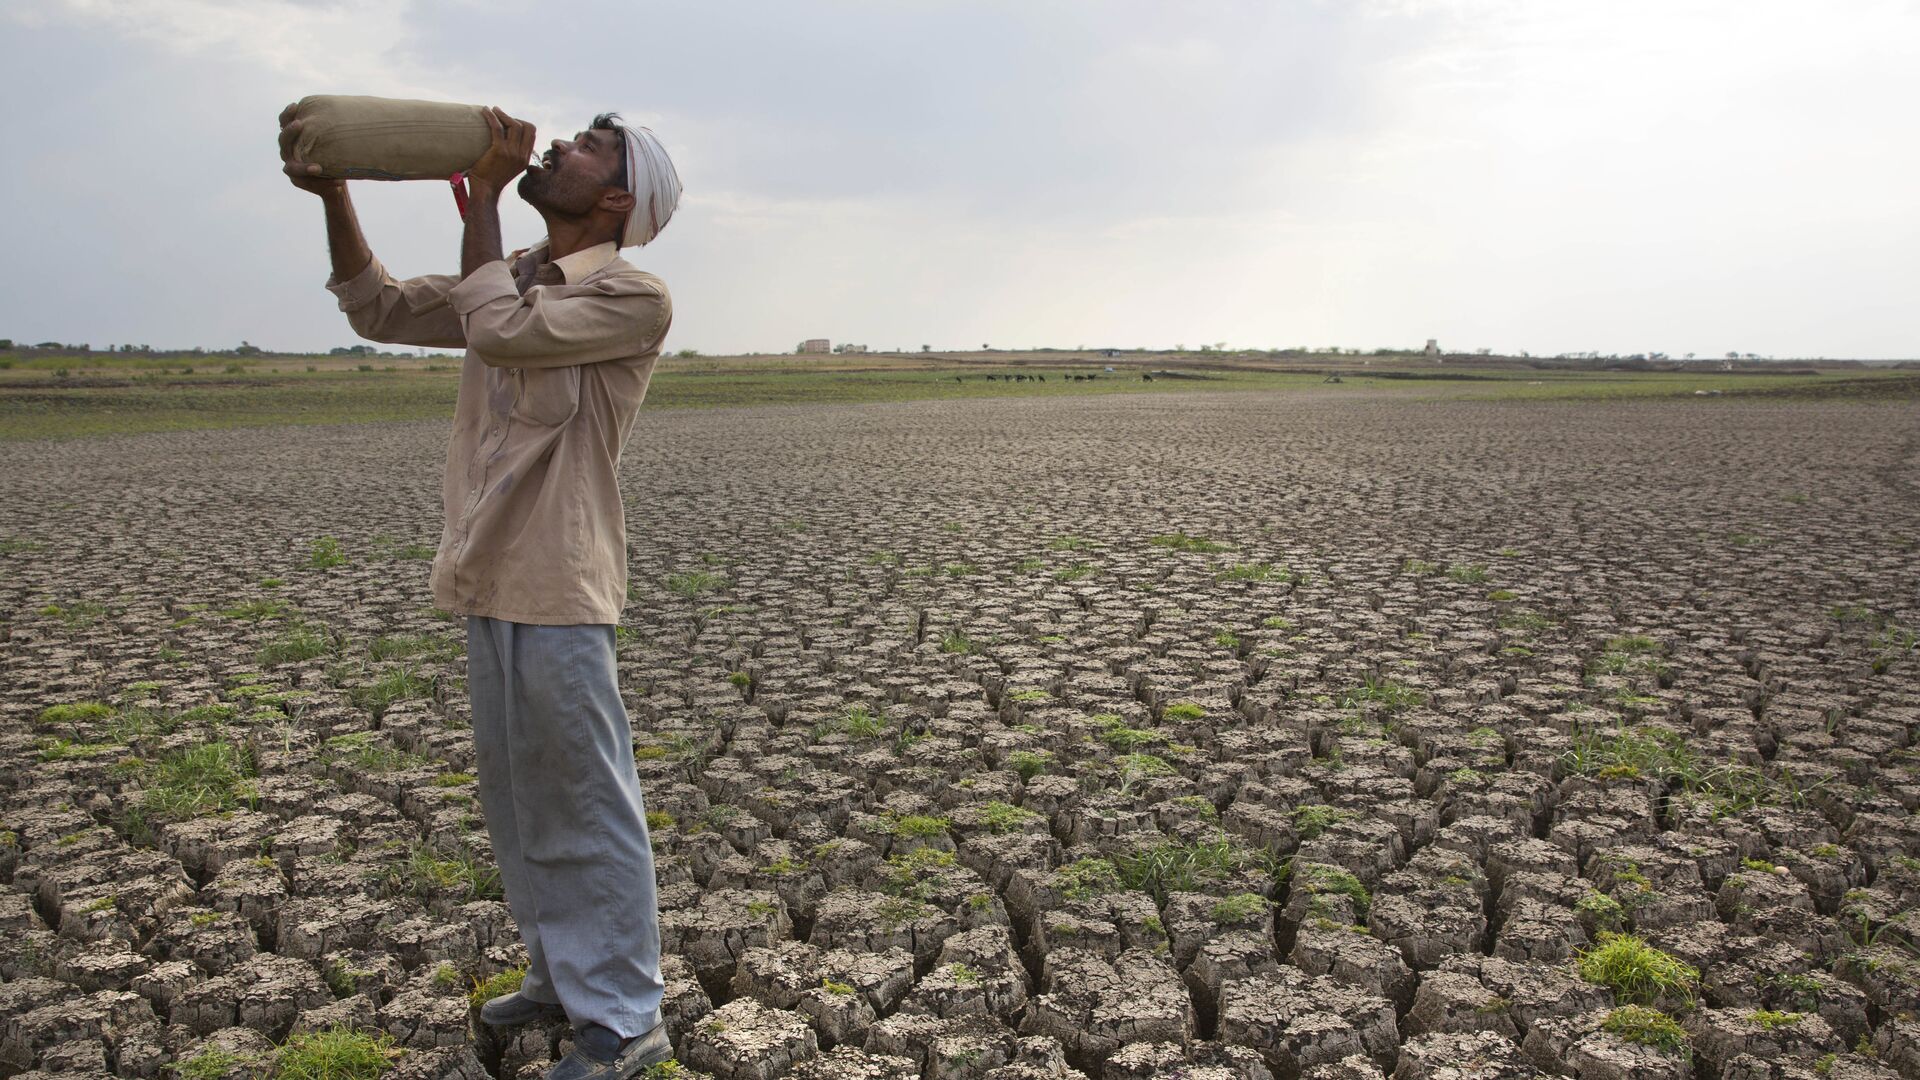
558 358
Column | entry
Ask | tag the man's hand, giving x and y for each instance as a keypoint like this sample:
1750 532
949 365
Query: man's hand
506 158
305 176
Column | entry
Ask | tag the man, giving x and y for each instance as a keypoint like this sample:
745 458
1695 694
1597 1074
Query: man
561 340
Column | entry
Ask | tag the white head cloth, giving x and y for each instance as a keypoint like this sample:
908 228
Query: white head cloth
652 180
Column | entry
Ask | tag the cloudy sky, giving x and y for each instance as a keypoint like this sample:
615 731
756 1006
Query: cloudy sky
1619 176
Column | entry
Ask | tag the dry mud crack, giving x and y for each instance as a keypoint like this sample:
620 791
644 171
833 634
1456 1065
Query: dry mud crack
1225 736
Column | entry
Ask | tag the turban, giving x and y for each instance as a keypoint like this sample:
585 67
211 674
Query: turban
651 179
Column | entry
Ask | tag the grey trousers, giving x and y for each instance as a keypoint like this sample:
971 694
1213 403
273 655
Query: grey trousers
563 809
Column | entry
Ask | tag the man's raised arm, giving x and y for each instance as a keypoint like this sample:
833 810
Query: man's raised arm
411 312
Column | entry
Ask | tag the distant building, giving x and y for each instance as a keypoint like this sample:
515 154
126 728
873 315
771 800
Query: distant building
1433 348
849 348
816 344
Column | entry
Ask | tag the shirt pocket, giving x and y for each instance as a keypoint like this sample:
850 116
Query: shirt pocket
546 396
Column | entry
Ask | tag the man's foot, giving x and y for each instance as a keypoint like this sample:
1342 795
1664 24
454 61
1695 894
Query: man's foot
599 1054
514 1009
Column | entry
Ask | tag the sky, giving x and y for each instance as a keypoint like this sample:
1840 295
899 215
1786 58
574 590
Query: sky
1546 176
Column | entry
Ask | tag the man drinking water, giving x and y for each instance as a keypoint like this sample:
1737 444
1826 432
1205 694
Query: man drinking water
560 342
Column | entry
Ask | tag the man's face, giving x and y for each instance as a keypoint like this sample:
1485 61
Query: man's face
573 173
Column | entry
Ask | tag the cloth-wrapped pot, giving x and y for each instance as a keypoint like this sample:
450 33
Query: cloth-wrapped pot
374 138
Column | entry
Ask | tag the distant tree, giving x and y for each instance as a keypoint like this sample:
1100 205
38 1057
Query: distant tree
926 348
1689 356
986 346
1733 356
688 352
247 348
6 343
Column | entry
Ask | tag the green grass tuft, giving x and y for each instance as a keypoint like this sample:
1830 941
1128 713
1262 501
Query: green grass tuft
325 554
1637 973
338 1053
1647 1027
505 982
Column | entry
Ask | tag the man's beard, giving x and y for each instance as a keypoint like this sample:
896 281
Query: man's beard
544 190
530 186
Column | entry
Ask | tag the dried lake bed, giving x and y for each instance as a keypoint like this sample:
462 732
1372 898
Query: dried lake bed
1316 733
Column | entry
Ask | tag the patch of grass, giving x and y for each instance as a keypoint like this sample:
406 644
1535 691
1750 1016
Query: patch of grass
1239 908
1180 541
1604 910
48 748
1115 733
1525 622
1658 754
325 554
258 610
1275 622
77 614
1003 817
1253 571
1073 573
1471 574
295 643
212 1063
1319 879
959 569
1773 1021
427 873
1177 866
407 646
1419 568
1184 710
338 1053
694 583
364 752
1385 693
394 684
1647 1027
859 722
78 712
918 826
1068 543
493 986
201 779
1315 818
954 641
1636 972
1030 763
1088 878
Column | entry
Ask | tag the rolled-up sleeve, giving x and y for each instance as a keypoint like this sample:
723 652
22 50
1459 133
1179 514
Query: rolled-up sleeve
410 312
616 316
